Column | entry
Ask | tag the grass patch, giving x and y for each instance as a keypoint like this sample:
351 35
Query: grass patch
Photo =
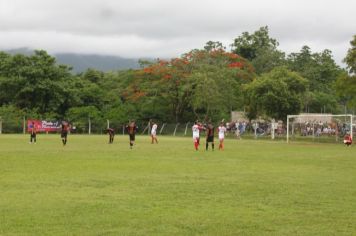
253 187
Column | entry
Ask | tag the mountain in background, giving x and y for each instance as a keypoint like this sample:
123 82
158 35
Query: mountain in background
81 62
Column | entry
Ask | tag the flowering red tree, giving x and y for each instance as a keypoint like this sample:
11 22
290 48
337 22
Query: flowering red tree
201 82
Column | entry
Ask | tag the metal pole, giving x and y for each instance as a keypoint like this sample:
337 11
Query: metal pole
108 124
162 128
24 125
89 130
287 129
146 128
272 129
186 129
175 129
351 128
0 125
255 130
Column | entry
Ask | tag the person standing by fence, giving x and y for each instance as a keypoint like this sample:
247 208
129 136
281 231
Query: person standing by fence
33 133
64 132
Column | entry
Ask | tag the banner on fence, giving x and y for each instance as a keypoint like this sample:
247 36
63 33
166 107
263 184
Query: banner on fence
43 125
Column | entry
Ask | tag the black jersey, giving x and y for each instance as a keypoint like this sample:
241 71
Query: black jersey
210 131
111 132
131 129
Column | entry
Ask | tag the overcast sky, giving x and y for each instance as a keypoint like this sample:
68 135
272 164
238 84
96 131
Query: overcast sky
169 28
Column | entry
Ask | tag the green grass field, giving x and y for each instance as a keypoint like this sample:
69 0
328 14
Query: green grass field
251 188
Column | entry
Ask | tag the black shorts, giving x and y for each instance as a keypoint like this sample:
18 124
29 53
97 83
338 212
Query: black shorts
33 135
64 134
210 139
132 137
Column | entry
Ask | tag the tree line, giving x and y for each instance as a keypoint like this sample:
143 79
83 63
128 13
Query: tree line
208 83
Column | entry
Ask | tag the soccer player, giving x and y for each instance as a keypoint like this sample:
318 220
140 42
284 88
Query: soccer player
222 131
111 133
347 139
209 136
196 129
64 132
33 133
154 133
131 129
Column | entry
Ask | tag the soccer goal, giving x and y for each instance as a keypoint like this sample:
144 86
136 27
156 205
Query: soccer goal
319 127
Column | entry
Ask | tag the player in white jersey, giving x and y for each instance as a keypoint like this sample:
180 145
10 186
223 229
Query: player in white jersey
196 130
154 133
222 131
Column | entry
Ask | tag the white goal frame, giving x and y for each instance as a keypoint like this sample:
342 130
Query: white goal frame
319 115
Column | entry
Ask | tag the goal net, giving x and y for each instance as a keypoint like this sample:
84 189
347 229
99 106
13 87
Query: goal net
319 127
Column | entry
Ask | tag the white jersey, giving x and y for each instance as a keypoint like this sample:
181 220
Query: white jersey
222 131
195 130
154 129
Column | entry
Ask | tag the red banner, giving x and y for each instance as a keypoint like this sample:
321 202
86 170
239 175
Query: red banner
43 125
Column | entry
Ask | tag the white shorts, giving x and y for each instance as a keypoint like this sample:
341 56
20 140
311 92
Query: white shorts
221 137
153 134
195 137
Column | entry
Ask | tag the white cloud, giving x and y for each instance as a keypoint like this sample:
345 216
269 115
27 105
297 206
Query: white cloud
158 28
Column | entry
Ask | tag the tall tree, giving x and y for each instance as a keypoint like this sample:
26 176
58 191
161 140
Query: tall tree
321 71
275 94
260 49
350 58
346 83
33 82
183 84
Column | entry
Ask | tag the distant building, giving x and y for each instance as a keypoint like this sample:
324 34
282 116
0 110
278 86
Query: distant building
319 117
238 116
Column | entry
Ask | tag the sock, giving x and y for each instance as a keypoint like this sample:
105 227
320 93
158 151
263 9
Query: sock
212 145
206 146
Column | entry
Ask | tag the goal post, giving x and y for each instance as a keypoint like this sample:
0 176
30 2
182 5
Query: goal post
316 125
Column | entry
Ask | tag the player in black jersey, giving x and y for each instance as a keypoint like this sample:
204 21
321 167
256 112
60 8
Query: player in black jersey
33 133
131 129
111 133
64 132
209 136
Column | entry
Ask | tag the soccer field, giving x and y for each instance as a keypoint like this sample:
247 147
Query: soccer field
251 188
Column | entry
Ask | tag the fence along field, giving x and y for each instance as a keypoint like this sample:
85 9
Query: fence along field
308 127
